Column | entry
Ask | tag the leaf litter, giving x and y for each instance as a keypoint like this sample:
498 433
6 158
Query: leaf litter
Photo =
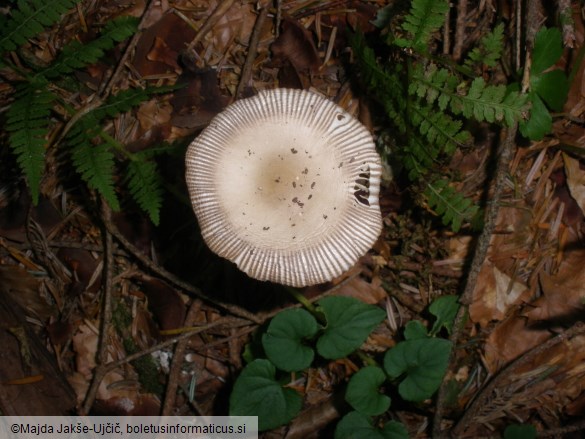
530 288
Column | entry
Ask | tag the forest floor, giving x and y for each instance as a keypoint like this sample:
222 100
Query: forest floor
131 318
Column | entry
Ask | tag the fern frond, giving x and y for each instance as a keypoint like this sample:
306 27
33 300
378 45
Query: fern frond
418 155
95 165
126 100
76 55
439 128
451 205
384 86
30 19
489 103
144 184
424 18
489 50
28 125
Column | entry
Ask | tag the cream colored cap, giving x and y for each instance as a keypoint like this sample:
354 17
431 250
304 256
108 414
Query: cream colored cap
286 184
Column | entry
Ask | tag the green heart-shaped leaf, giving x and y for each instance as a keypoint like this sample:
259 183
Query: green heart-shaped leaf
444 309
363 391
349 322
548 48
356 425
424 361
283 341
552 87
517 431
415 329
257 393
540 122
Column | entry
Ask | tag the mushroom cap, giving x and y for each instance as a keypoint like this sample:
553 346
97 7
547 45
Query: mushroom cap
286 184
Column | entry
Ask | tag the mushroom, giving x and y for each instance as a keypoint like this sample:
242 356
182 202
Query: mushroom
285 184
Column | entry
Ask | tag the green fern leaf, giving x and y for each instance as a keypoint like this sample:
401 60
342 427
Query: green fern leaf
30 19
28 125
490 103
424 18
439 128
95 164
418 155
76 55
451 205
144 183
489 50
385 86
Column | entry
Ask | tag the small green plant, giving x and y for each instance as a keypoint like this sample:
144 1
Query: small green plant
517 431
289 343
548 88
39 92
336 328
431 100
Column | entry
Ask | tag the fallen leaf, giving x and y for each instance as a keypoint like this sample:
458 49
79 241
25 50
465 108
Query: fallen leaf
495 294
510 339
563 293
575 180
295 45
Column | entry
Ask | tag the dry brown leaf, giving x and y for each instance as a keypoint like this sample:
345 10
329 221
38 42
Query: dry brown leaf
575 180
159 46
563 293
495 294
368 292
161 52
510 339
235 26
295 45
153 113
23 288
164 302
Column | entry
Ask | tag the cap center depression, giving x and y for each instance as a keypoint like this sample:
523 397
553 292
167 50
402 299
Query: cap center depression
282 185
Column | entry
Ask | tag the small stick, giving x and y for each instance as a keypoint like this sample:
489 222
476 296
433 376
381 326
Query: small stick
492 208
106 87
177 364
460 26
252 49
235 310
102 350
104 369
567 23
467 418
108 268
219 12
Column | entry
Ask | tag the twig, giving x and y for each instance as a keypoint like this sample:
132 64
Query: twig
447 32
104 369
532 25
577 329
102 355
278 17
106 87
504 156
102 351
219 12
252 49
562 431
177 364
567 23
460 26
235 310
